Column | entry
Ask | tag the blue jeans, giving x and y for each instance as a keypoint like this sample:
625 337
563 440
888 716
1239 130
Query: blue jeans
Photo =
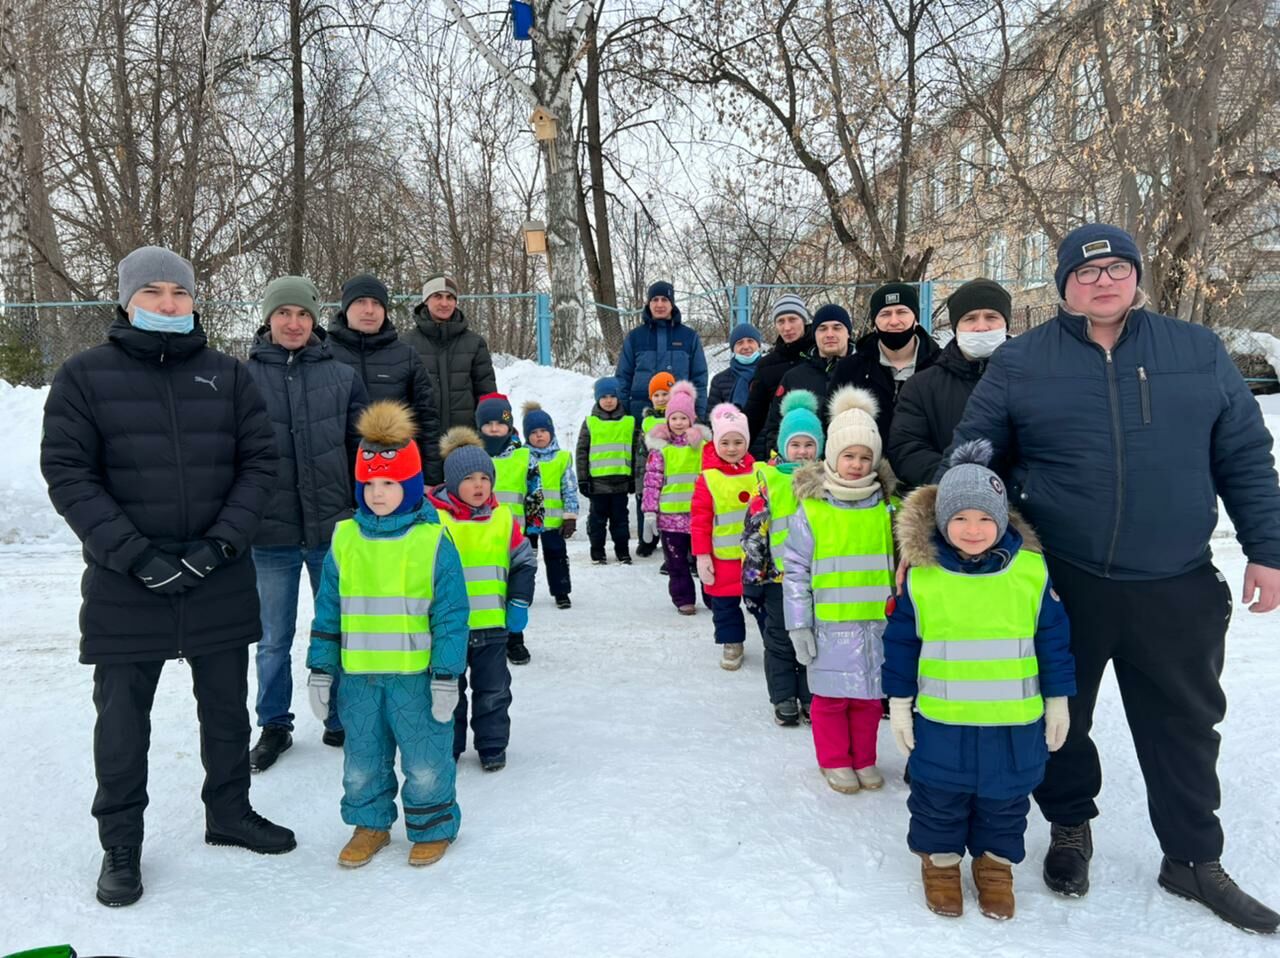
279 571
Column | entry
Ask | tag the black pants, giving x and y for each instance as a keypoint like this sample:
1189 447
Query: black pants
1166 639
490 682
555 556
785 677
123 694
643 546
609 508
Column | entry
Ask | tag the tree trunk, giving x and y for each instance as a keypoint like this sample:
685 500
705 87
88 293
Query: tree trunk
15 246
297 177
563 262
599 247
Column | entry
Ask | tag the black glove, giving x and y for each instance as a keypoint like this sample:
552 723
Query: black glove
569 527
204 557
161 574
584 486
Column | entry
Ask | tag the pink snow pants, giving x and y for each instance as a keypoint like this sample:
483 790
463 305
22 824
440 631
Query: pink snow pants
844 731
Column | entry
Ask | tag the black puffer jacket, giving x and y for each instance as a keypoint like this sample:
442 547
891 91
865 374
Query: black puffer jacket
929 409
773 366
313 403
457 361
154 440
813 373
862 368
391 369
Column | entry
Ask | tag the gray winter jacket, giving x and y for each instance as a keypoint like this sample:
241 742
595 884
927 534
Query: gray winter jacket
457 361
313 401
850 654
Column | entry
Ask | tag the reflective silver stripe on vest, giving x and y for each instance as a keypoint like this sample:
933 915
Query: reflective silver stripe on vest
870 563
729 518
384 605
551 512
608 447
782 524
680 478
608 463
857 593
386 641
733 539
484 573
483 603
675 497
506 498
1007 690
978 650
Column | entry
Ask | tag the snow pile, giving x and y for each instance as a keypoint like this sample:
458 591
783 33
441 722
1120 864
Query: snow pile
566 395
25 512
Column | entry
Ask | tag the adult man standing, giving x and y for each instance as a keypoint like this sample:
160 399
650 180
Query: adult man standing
456 358
932 402
1124 427
791 320
832 328
158 453
313 402
661 343
895 350
362 335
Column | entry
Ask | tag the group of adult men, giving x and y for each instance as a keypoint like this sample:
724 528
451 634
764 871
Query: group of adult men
1117 430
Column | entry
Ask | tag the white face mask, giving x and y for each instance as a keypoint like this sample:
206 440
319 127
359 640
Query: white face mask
981 345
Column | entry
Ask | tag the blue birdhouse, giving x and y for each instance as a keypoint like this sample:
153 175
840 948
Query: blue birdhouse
521 19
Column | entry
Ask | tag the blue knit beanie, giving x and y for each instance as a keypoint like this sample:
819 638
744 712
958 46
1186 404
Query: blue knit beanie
661 288
832 313
535 417
494 407
745 331
608 386
1094 241
799 418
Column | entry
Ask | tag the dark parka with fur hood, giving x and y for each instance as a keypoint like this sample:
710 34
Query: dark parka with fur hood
154 441
391 369
313 402
458 363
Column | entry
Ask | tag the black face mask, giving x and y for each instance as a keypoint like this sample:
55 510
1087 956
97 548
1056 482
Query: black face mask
894 341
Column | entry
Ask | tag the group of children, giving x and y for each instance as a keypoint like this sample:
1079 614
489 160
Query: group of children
972 650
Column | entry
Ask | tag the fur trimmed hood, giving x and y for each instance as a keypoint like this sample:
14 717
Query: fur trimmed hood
807 481
915 528
660 436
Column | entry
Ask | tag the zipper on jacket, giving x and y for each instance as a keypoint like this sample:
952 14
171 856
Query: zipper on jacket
1117 433
1144 389
180 601
364 370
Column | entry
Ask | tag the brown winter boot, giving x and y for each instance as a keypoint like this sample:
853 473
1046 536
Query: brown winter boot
427 853
364 844
731 656
942 890
994 877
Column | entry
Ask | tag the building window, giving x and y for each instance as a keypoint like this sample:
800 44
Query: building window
996 261
1039 128
1086 101
938 194
1035 258
1268 235
964 173
997 161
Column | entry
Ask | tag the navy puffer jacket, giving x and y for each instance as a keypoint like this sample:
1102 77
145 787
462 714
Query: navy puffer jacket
660 345
152 440
313 401
1118 458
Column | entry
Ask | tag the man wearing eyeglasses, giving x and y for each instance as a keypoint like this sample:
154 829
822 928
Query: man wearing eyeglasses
1123 429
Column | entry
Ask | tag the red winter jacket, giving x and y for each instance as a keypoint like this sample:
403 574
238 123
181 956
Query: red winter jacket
702 518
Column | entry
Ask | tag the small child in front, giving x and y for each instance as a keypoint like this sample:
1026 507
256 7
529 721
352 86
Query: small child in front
391 617
660 385
605 457
837 573
559 500
980 642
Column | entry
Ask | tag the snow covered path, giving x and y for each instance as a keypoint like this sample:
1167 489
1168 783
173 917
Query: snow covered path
650 807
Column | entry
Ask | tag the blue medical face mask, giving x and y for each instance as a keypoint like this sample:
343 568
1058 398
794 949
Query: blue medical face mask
748 360
155 323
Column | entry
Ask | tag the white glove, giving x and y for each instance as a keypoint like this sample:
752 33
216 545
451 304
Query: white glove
319 688
650 531
706 570
444 699
806 645
1057 722
902 722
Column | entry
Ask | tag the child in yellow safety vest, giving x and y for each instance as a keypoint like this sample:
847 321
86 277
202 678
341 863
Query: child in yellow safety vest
768 520
660 385
674 461
720 496
838 567
391 621
517 483
559 499
499 569
605 458
979 642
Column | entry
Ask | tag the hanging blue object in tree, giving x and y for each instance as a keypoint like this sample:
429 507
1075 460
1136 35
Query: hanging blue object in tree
521 19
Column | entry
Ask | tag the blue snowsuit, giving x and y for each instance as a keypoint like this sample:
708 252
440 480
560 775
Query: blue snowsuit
970 785
383 712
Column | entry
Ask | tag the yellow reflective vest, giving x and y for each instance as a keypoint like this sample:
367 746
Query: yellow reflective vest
851 573
485 549
729 496
511 484
611 442
782 506
680 468
552 472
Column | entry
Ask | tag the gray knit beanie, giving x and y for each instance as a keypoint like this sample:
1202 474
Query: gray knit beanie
291 291
969 484
790 303
153 264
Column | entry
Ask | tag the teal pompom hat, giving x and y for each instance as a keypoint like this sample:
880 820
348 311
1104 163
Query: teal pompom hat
799 418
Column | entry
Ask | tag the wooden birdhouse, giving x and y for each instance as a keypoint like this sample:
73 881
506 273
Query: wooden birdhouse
535 237
544 124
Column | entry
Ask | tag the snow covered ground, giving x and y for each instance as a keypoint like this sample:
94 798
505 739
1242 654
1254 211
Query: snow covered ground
650 806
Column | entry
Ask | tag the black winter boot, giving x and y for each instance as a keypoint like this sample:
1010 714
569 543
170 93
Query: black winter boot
1066 863
787 713
120 880
252 832
563 602
495 762
517 653
1210 885
334 737
274 741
